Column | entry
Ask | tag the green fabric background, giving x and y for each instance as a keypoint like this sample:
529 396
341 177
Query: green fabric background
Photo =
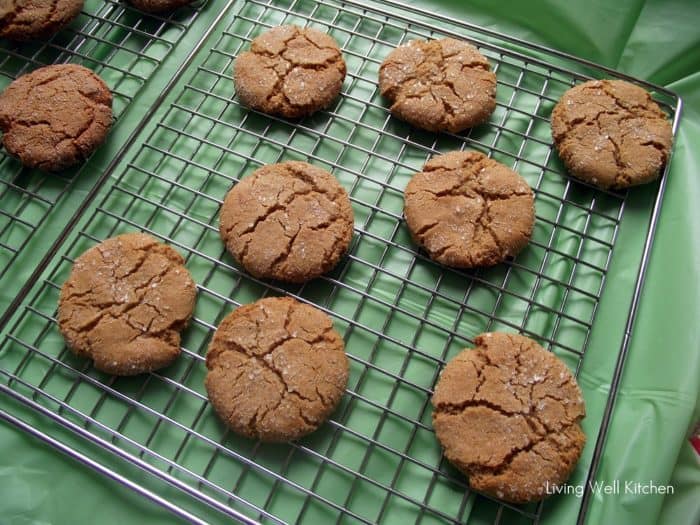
658 399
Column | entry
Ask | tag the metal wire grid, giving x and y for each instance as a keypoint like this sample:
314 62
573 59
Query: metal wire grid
402 316
121 45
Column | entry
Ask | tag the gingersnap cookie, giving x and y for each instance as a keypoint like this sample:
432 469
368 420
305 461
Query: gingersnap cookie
276 369
55 117
611 133
158 6
28 19
467 210
289 221
439 85
507 414
124 304
290 71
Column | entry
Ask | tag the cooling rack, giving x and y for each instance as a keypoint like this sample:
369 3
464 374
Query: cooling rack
120 44
401 315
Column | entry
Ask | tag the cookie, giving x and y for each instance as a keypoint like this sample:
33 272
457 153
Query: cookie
290 71
289 221
439 85
29 19
276 369
55 117
124 304
158 6
507 414
467 210
611 134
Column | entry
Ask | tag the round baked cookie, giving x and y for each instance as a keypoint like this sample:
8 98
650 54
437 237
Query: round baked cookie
158 6
124 304
55 117
507 414
611 134
467 210
290 71
439 85
276 369
289 221
29 19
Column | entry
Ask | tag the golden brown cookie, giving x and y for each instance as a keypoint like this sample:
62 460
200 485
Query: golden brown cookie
56 116
124 304
507 414
290 71
468 210
611 133
289 221
439 85
277 369
158 6
29 19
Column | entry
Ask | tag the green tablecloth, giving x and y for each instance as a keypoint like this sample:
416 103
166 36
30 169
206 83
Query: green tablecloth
658 399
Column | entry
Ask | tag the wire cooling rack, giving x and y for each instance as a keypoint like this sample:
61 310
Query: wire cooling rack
124 47
402 316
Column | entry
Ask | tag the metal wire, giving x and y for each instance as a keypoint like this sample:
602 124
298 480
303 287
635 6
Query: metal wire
402 316
121 45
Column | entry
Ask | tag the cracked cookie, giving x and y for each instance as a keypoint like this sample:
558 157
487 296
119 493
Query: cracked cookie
158 6
29 19
124 304
55 117
290 71
467 210
289 221
276 369
507 414
611 134
439 85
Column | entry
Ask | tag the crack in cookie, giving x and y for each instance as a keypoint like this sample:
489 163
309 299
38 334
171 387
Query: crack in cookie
467 210
124 304
289 221
56 116
290 71
507 414
611 133
24 20
439 85
276 369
